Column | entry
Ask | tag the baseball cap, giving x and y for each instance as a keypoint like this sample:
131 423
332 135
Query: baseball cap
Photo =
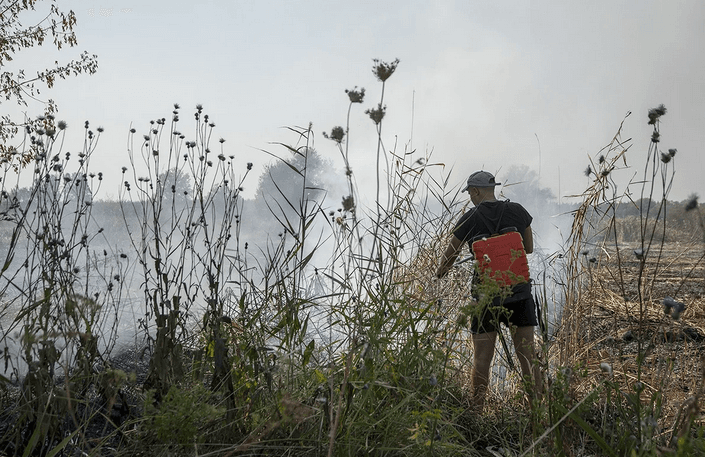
481 179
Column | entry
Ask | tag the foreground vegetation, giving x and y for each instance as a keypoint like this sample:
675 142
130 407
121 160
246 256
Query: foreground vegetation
331 338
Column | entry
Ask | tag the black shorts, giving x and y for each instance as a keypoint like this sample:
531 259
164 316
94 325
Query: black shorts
521 313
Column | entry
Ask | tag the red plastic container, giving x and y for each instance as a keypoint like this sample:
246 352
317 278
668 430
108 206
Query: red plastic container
502 258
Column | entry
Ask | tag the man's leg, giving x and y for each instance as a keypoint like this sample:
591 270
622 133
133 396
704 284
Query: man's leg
524 346
483 345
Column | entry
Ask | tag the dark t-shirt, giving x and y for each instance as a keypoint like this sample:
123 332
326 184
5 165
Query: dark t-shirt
512 214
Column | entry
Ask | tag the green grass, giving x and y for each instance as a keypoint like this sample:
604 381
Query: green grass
247 357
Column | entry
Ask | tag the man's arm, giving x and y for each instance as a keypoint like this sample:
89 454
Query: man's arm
449 256
528 239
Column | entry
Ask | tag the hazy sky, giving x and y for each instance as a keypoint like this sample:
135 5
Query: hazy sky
481 80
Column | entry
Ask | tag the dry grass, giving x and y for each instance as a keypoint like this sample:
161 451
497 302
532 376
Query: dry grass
673 350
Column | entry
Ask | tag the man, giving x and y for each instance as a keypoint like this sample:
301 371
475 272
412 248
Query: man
518 310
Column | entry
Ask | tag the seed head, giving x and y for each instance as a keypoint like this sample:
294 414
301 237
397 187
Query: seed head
383 70
672 152
337 134
249 166
665 158
62 125
356 96
377 114
655 137
656 113
588 171
100 129
349 203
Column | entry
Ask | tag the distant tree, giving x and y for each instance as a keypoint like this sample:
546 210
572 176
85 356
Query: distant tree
22 83
287 184
177 184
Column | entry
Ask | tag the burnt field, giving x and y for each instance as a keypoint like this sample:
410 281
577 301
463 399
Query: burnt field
626 329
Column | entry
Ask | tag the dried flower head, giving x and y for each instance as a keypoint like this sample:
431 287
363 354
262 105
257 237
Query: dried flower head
62 125
356 96
665 158
672 152
655 137
249 166
656 113
377 114
348 203
588 171
383 70
336 134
